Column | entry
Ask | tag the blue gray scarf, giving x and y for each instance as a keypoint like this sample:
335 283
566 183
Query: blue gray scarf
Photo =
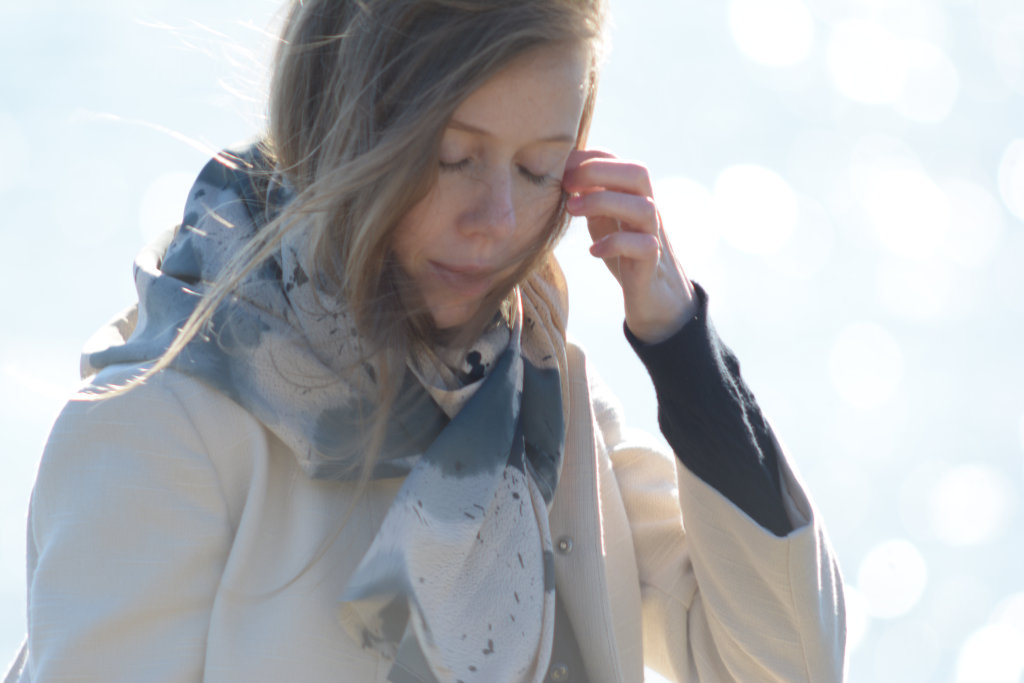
458 583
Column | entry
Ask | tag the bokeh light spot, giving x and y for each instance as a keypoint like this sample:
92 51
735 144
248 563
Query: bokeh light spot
866 62
970 504
976 226
910 214
1008 53
866 365
874 151
931 85
892 578
993 654
1011 178
772 32
757 210
1010 611
919 19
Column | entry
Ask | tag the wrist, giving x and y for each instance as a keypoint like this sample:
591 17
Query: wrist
653 330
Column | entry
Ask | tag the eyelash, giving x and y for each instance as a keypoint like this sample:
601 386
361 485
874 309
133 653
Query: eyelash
539 180
456 166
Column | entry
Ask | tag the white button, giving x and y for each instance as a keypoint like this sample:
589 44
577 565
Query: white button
565 545
559 672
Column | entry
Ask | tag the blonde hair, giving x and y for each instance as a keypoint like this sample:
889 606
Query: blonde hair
361 92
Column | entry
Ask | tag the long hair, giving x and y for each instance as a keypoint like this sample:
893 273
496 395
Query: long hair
361 92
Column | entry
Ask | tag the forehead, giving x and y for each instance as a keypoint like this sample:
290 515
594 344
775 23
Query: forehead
539 95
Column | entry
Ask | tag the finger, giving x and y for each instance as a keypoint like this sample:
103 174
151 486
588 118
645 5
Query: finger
637 213
609 173
636 246
578 156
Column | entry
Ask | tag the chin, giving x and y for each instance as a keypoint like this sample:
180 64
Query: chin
452 317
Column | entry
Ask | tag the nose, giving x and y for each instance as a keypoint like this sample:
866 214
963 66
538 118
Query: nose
495 210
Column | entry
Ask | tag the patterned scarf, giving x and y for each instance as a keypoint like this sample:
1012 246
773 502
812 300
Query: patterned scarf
458 583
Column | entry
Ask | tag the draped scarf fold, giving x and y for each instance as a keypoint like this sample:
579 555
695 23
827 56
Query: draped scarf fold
458 584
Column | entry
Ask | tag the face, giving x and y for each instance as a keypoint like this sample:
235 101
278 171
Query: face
501 162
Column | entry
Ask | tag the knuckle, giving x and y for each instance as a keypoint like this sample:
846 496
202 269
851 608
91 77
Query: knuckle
650 210
640 177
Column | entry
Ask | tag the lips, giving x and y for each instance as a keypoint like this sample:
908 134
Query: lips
467 279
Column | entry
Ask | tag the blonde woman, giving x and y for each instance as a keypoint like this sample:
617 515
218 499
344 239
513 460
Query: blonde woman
342 435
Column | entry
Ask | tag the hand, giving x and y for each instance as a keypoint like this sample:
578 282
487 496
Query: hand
618 202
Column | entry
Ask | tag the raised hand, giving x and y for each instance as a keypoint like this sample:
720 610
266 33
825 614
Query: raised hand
617 199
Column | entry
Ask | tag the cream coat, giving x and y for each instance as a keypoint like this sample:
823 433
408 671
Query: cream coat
173 538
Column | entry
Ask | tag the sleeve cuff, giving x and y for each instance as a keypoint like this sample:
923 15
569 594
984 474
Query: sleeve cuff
711 419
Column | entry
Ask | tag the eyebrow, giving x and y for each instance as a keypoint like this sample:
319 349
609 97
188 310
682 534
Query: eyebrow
469 128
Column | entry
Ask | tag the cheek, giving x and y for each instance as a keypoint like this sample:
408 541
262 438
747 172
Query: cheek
403 246
538 215
414 232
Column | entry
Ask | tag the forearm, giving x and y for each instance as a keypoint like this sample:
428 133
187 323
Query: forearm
712 421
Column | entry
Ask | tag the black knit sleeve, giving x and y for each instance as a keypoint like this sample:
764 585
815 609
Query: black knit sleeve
712 421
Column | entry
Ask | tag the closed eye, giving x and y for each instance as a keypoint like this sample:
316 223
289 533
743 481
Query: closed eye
454 166
540 180
462 164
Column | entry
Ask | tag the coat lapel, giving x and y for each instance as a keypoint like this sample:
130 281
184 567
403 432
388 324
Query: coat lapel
595 565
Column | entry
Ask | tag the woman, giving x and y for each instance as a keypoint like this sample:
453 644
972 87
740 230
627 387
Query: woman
342 435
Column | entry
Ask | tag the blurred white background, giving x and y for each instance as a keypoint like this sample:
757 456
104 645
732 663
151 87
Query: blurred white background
845 177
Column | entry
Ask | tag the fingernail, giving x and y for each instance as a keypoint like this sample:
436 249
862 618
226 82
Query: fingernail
575 203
